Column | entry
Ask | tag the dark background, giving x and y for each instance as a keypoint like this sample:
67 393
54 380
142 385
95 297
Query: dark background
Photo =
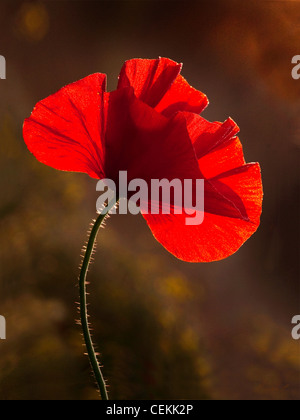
166 329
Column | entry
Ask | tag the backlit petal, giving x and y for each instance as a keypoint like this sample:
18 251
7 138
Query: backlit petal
65 130
219 236
159 84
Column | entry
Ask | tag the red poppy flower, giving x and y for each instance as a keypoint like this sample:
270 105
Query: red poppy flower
150 128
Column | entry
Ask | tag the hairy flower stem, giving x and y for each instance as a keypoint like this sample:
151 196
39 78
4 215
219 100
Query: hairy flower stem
83 303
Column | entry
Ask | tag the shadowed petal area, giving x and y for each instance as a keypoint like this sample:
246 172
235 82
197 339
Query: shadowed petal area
145 143
220 235
65 130
246 184
159 84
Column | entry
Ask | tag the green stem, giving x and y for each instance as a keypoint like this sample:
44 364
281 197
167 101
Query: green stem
83 303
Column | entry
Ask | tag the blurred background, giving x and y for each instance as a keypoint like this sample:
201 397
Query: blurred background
166 329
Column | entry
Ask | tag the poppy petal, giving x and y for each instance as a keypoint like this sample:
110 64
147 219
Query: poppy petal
182 97
223 201
159 84
217 148
243 182
218 236
65 130
142 142
223 158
